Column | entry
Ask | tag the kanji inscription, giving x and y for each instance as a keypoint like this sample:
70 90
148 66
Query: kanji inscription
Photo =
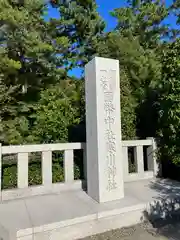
108 85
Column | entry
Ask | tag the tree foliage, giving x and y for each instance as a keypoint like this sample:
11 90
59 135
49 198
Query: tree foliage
169 115
82 25
28 65
26 48
57 110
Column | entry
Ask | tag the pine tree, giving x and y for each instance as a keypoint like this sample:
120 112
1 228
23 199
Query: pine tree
25 47
143 19
27 63
82 25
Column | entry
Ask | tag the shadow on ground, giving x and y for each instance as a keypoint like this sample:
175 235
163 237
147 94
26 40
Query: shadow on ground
164 212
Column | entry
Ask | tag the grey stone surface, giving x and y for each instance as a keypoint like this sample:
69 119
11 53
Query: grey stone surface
125 163
0 167
12 194
47 167
103 130
139 160
69 165
22 170
65 214
152 158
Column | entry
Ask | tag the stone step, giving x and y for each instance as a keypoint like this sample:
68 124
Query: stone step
74 215
81 227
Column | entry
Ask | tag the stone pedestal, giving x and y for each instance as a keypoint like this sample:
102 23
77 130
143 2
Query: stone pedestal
103 130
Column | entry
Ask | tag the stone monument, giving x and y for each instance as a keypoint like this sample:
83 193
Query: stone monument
103 130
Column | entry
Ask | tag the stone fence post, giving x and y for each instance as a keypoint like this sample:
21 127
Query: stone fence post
152 157
0 169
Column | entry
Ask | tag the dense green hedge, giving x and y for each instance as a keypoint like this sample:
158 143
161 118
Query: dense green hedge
9 172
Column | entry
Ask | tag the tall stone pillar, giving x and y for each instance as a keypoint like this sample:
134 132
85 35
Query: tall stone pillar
103 130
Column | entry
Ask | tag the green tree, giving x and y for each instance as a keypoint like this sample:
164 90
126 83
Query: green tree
143 19
140 71
82 25
57 110
26 48
137 42
169 114
28 64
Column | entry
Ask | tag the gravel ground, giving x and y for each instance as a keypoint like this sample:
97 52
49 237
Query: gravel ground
141 232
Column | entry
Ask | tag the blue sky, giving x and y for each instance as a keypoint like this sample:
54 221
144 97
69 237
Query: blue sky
104 7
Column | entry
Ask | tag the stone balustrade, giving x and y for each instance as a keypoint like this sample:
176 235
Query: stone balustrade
144 151
23 151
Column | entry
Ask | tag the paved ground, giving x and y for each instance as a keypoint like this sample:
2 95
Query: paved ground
70 209
142 232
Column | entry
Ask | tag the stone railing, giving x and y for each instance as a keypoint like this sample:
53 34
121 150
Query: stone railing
143 153
47 186
23 189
